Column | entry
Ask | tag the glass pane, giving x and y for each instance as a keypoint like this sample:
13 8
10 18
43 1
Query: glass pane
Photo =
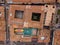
58 12
36 16
19 14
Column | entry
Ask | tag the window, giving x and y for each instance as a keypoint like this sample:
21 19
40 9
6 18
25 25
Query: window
36 16
56 20
52 17
46 27
19 14
58 12
45 17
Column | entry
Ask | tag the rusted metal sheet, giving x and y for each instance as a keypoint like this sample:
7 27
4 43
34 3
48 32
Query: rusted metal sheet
31 1
49 1
28 12
2 25
26 21
42 1
18 1
37 1
49 13
44 36
56 40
